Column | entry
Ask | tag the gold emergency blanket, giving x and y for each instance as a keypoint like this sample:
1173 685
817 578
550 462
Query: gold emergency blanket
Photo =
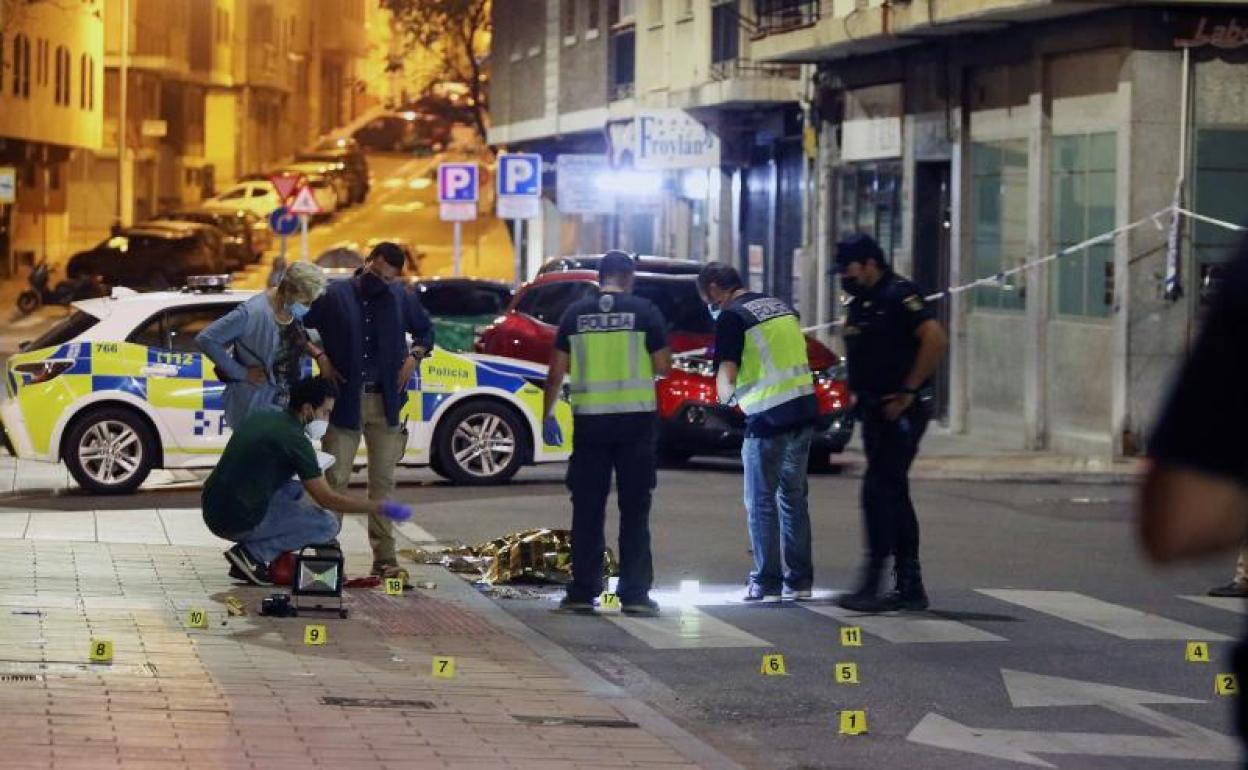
531 556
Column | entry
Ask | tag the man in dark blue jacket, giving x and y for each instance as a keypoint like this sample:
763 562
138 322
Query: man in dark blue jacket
364 323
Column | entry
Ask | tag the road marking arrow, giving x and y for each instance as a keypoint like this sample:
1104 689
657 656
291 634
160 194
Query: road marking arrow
1185 741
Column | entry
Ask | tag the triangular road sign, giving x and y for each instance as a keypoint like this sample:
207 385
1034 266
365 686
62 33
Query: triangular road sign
305 202
286 185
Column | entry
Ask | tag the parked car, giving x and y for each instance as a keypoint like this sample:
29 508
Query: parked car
461 307
333 170
255 196
153 255
692 419
349 153
238 228
406 131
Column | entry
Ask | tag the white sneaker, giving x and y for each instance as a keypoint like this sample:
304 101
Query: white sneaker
799 596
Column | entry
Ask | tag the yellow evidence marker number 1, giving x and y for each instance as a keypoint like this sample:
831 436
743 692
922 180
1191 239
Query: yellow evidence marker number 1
847 673
851 636
394 586
196 619
773 665
1226 684
101 651
314 635
853 722
443 668
1197 652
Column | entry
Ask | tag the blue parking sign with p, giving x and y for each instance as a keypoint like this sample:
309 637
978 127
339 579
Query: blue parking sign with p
520 174
457 183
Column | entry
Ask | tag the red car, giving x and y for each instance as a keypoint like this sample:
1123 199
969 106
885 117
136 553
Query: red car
693 421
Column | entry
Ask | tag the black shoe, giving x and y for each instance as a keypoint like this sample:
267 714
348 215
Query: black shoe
869 603
252 570
642 608
570 606
238 574
1233 590
909 593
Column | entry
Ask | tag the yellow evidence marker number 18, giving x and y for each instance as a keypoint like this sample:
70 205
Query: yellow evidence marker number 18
394 586
853 722
1197 652
101 651
773 665
196 619
314 635
851 636
847 673
1226 684
443 668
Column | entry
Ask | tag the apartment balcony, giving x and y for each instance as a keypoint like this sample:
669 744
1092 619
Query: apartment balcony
822 30
268 67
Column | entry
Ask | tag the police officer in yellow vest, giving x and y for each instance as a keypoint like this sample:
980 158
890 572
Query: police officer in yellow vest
762 367
611 347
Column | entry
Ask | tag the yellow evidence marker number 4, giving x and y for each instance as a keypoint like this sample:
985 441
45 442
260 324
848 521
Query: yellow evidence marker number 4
444 668
853 722
101 651
1226 684
851 636
314 635
773 665
1197 652
394 586
847 673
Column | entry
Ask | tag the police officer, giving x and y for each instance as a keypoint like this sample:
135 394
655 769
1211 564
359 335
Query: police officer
762 367
611 347
894 344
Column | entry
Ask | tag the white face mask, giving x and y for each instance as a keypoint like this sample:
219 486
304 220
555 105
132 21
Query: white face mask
316 429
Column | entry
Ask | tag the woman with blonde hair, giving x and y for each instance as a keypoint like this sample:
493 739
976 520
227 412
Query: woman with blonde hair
258 348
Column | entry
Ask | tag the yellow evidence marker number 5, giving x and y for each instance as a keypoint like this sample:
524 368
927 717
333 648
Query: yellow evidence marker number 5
444 668
847 673
773 665
853 722
314 635
101 651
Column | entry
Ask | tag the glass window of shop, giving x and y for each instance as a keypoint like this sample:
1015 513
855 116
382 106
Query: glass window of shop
1083 176
869 201
999 220
1219 163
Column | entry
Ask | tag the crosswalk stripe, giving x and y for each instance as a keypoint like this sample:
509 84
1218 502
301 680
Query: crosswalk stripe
907 629
1112 619
1229 603
686 628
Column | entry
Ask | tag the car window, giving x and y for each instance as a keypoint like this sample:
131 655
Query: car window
151 334
679 303
258 192
235 194
463 300
547 303
64 330
184 323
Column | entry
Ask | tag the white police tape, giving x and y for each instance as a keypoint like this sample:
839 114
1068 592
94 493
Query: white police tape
998 279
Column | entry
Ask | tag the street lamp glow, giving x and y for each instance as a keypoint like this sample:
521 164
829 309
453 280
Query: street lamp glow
690 588
695 184
630 183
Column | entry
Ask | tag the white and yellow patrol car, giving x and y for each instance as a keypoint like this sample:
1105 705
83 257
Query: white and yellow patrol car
118 388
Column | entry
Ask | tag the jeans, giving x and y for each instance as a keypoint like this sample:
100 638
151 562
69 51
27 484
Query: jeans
776 501
891 524
386 444
632 458
292 521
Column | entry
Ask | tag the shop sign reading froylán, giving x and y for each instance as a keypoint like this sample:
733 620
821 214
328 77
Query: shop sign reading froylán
656 139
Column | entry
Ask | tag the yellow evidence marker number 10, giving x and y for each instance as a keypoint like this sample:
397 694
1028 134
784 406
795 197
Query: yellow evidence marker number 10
851 636
196 619
1197 652
847 673
773 665
1226 684
443 668
853 722
394 586
101 651
314 635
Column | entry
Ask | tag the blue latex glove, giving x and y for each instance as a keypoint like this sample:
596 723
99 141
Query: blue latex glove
552 434
396 511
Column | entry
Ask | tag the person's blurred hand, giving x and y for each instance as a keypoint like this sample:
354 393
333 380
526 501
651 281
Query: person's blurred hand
395 511
552 434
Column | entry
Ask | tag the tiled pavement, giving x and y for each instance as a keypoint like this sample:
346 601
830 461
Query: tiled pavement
246 692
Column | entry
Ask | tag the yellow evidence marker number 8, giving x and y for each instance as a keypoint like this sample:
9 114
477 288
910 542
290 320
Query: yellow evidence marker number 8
853 722
101 651
851 636
1197 652
197 619
314 635
444 668
847 673
394 586
773 665
1226 684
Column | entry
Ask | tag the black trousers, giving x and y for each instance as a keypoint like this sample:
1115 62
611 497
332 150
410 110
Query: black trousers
631 456
892 527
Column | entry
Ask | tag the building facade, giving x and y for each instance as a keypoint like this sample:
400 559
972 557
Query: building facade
51 107
979 139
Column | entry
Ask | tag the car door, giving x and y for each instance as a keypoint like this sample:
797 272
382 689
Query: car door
182 387
538 314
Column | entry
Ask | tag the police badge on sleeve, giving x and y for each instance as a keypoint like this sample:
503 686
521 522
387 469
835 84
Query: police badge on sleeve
913 303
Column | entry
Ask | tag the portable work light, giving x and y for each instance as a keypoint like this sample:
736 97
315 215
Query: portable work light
318 577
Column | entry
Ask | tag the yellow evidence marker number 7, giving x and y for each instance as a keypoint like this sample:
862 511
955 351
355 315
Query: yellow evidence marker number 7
443 668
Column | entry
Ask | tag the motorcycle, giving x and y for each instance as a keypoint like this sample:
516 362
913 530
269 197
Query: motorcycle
65 292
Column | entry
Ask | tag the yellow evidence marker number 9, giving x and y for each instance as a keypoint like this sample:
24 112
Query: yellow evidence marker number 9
197 619
851 636
394 586
853 722
773 665
1226 684
314 635
444 668
101 651
847 673
1197 652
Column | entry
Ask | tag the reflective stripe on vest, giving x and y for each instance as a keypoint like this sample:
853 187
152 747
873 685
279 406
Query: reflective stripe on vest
611 373
774 367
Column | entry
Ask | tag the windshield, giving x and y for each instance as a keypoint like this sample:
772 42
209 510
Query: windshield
463 300
65 330
679 303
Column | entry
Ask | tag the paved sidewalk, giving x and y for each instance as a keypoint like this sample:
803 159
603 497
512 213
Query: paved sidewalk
246 692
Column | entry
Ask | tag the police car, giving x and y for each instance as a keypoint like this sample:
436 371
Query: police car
118 388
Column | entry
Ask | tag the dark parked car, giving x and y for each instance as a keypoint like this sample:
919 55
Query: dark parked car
408 131
238 227
349 153
154 255
462 307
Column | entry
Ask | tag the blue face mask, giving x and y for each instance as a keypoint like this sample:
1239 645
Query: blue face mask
714 309
298 309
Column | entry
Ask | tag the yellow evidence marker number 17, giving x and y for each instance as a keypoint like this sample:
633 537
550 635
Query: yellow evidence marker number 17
773 665
394 586
314 635
853 722
851 636
101 651
1197 652
1226 684
443 668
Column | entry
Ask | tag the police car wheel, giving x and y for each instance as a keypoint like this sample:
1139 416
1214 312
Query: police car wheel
478 442
110 451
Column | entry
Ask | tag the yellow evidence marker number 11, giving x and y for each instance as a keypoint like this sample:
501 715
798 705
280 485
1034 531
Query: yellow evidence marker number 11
394 586
314 635
773 665
1197 652
853 722
1226 684
101 651
851 636
444 668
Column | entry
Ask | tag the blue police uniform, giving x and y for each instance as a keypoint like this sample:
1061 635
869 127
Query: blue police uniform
881 348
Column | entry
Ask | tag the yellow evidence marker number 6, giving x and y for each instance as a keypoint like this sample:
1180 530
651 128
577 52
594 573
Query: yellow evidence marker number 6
853 722
314 635
773 665
444 668
851 636
101 651
1226 684
1197 652
394 586
847 673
